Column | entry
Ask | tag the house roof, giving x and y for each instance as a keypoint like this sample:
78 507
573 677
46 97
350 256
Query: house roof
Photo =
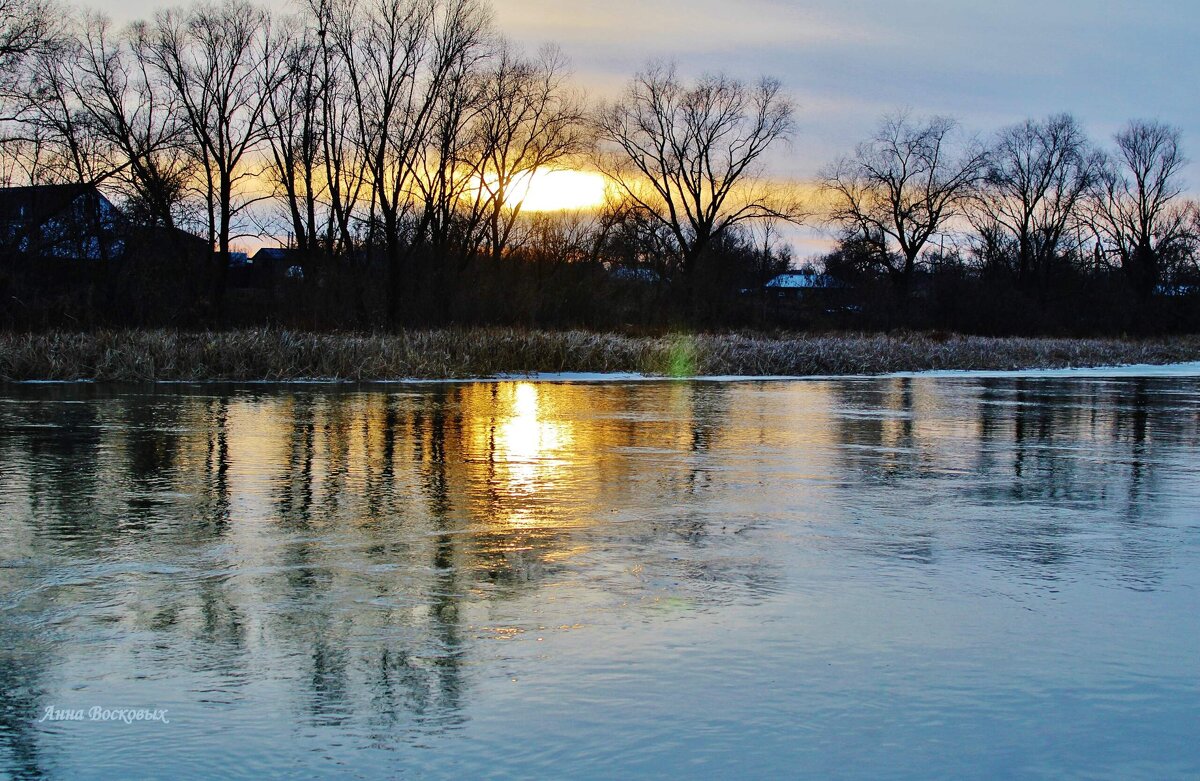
275 253
35 205
803 280
53 219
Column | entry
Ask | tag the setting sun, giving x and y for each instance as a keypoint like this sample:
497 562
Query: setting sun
563 190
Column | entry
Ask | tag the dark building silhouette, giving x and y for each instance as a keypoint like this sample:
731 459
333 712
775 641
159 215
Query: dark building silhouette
77 222
69 255
64 221
799 285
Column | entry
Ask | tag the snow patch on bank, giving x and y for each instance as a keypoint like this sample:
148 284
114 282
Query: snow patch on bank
1191 369
1099 372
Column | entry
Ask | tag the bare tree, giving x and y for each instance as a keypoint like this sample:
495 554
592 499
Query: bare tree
689 156
397 56
68 148
138 118
1140 216
41 139
217 59
901 187
26 26
1037 175
292 123
342 152
58 140
449 167
530 121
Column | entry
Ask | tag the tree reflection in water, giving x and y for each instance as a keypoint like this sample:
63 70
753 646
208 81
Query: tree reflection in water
362 553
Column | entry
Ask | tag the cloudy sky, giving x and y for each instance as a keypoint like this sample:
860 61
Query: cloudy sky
846 62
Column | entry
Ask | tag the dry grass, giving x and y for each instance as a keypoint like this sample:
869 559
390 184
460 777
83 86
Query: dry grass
290 355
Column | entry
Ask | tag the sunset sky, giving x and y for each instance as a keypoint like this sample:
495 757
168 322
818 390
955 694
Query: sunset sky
848 61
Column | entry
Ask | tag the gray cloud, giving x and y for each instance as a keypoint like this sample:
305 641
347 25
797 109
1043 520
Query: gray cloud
849 61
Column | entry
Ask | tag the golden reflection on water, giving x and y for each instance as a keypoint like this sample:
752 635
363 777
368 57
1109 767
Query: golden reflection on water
527 454
363 551
502 484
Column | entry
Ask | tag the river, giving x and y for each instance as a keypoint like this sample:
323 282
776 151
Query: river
899 577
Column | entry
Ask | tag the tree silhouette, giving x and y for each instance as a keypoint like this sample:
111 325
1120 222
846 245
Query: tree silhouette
689 156
901 187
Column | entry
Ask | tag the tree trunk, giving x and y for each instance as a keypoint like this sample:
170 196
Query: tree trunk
1142 269
902 279
225 196
395 272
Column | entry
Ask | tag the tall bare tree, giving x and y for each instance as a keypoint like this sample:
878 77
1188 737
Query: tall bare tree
292 121
689 156
68 148
901 188
397 56
138 117
530 121
1037 175
450 205
345 174
1140 215
217 59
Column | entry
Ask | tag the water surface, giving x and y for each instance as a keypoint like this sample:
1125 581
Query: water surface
870 578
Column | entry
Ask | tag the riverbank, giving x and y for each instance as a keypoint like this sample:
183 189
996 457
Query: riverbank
278 355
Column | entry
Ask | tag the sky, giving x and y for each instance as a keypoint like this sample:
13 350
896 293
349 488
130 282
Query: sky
848 62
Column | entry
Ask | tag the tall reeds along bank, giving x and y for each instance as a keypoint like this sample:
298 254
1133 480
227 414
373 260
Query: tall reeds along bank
278 354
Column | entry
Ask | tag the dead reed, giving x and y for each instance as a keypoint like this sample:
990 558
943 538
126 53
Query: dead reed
273 354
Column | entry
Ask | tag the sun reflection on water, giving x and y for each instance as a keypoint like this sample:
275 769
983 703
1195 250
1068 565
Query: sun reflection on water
376 567
530 447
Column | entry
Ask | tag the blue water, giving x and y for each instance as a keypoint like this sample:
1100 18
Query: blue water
869 578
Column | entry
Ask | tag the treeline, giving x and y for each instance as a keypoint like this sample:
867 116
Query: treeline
1034 229
391 143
